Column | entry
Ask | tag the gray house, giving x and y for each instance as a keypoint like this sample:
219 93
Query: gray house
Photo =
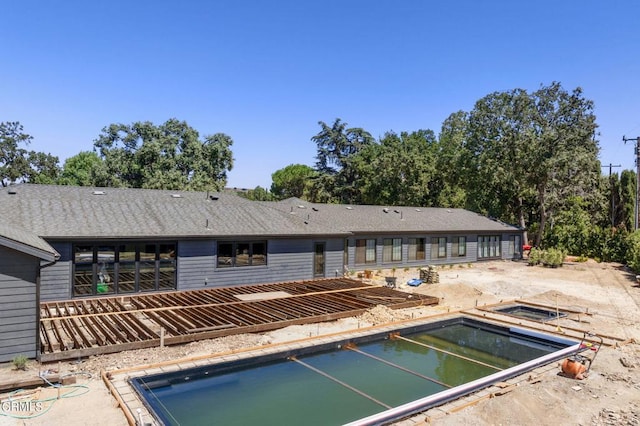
63 242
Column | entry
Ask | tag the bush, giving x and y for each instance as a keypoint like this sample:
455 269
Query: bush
20 362
633 252
535 256
553 257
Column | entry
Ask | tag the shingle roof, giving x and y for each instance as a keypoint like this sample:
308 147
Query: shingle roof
25 241
376 219
65 212
52 211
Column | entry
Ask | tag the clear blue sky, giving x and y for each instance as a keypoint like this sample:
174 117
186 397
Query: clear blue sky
265 72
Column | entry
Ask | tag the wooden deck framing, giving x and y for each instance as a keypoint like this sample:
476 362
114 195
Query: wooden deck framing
84 327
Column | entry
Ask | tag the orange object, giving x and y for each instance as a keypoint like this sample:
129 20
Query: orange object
574 369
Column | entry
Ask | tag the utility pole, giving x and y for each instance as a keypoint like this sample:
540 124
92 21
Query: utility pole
613 198
637 152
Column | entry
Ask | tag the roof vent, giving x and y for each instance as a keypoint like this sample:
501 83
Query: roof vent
176 196
12 191
418 210
301 207
396 211
386 210
315 209
349 208
99 192
213 197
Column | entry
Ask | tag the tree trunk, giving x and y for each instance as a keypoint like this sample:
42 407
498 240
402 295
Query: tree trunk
521 222
543 216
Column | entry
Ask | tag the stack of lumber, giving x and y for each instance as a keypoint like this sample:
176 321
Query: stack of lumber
429 275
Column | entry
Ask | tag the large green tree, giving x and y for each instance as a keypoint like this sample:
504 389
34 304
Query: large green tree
627 196
399 170
83 169
531 149
168 156
337 144
17 164
448 185
291 181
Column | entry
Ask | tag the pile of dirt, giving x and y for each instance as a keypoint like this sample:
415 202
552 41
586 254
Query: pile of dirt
381 314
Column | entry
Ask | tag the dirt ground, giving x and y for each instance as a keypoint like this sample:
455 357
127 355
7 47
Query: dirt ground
606 294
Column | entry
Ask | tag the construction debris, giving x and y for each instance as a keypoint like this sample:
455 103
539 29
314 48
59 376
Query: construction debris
429 275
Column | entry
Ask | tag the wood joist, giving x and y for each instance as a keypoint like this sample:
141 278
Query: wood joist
83 327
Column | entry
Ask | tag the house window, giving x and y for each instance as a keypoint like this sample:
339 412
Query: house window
102 269
365 251
488 246
417 249
438 247
515 246
392 250
242 253
459 246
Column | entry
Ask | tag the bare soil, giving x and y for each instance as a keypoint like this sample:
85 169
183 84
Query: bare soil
606 294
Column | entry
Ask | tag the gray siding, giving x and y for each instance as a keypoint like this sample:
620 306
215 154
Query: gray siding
287 260
334 266
18 320
196 264
55 280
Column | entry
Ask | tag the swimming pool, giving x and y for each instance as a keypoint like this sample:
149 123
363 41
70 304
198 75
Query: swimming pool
371 379
531 313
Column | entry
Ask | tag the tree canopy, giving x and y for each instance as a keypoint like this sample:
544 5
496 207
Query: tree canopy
17 164
291 181
531 150
168 156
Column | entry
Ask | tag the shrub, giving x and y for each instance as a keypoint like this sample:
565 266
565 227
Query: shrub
20 362
553 257
633 254
535 256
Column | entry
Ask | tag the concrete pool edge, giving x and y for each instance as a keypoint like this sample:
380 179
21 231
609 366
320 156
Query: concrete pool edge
393 414
448 395
117 381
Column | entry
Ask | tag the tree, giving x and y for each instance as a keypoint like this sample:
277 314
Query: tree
19 165
534 150
169 156
257 194
397 171
627 203
291 181
337 144
451 171
83 169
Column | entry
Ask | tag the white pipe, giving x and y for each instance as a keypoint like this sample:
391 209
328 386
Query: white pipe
430 401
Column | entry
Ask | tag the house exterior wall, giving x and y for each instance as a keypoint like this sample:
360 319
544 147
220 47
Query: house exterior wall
18 304
506 251
287 260
55 281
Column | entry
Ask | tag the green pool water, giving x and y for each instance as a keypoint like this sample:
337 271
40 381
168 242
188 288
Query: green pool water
333 388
